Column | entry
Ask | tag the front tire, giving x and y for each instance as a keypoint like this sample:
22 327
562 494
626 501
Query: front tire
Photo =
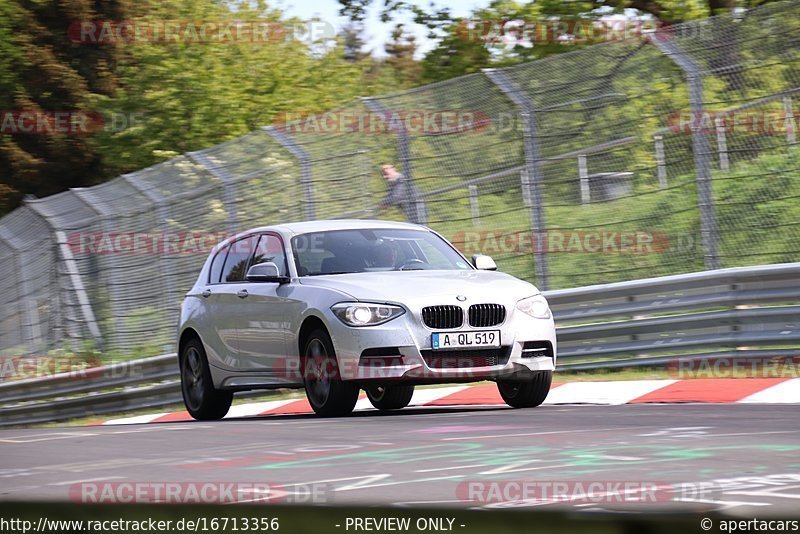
328 394
390 397
202 400
526 393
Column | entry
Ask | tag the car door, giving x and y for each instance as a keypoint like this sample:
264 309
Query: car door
219 334
261 314
225 300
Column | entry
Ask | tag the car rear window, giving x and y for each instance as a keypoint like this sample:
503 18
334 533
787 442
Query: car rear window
237 259
216 265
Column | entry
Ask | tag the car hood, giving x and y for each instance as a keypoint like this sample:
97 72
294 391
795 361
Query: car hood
440 287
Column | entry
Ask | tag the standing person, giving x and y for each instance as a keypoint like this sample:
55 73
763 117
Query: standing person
404 194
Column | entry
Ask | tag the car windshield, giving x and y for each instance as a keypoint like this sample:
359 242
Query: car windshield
367 250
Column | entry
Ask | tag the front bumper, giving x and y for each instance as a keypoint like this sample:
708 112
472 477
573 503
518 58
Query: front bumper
411 337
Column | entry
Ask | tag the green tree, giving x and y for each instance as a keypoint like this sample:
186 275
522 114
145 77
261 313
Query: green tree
400 52
192 95
353 42
161 98
467 45
42 71
457 53
665 10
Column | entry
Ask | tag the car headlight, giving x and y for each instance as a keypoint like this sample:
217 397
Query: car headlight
365 313
535 306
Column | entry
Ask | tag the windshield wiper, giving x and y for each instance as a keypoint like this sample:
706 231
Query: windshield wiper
332 272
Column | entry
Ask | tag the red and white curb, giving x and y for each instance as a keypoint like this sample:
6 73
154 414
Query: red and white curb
712 390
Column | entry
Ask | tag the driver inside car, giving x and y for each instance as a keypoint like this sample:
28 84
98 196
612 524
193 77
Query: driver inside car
346 256
385 255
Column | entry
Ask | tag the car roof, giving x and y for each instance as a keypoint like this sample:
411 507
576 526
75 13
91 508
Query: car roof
336 224
289 230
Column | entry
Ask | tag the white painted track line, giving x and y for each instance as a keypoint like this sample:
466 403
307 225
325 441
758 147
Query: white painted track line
784 393
613 393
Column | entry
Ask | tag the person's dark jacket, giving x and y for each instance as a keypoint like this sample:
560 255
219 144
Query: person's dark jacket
405 195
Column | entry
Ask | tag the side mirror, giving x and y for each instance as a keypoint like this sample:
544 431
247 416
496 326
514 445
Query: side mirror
265 272
484 263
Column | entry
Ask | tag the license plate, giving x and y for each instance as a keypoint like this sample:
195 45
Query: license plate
461 340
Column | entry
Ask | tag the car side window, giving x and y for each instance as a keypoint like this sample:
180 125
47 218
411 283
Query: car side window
270 249
237 260
216 265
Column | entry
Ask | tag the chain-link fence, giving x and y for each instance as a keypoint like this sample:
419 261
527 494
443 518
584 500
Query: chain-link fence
659 155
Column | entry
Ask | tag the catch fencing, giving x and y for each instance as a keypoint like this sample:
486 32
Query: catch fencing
668 153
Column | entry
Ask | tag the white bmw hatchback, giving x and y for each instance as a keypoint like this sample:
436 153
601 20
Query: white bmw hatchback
339 306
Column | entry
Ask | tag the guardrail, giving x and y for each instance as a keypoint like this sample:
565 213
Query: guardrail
123 387
740 311
745 312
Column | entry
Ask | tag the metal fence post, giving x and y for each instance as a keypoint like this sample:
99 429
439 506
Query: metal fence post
790 124
526 187
81 293
661 161
532 163
12 305
702 161
228 188
63 253
77 286
104 215
364 163
722 143
474 207
583 177
403 153
286 141
27 321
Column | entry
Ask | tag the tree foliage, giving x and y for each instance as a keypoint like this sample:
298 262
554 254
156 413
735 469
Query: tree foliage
158 99
42 71
461 48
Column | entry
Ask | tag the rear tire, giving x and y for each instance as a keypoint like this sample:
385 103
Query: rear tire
390 397
526 393
327 393
202 400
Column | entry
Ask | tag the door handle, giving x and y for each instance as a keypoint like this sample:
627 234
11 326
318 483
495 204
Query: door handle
205 294
242 294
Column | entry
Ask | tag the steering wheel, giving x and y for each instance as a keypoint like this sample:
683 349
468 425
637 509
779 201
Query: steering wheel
413 261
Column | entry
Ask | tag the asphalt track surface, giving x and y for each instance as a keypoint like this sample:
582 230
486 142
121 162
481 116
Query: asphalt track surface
743 459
